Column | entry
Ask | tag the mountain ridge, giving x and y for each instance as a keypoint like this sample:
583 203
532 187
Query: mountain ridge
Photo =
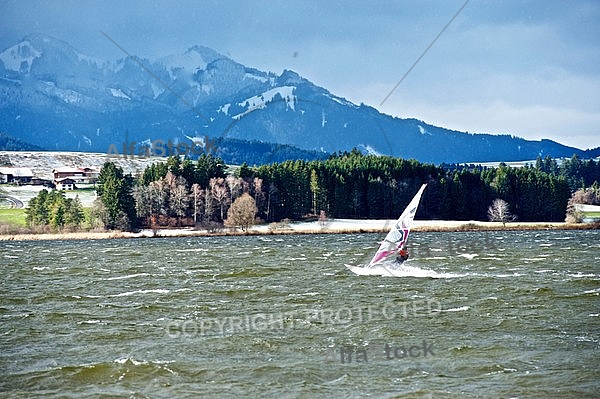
57 98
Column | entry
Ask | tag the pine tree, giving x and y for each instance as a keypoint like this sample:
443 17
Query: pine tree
115 192
74 215
58 215
38 212
314 189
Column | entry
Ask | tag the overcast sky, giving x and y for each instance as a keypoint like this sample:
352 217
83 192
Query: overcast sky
530 68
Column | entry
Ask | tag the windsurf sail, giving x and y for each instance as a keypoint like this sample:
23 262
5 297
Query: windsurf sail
398 235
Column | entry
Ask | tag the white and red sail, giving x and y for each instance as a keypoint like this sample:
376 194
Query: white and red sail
398 235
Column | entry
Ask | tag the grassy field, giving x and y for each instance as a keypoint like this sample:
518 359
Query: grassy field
590 216
13 217
16 217
25 193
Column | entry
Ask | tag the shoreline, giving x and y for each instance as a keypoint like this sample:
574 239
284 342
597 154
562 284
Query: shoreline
341 226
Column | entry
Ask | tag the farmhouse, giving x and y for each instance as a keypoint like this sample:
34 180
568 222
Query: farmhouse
15 175
65 183
38 181
78 175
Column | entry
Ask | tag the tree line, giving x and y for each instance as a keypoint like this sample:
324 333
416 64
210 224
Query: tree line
352 185
52 208
178 192
580 174
181 192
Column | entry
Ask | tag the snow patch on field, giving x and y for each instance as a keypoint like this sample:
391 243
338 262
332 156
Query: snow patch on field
261 101
118 93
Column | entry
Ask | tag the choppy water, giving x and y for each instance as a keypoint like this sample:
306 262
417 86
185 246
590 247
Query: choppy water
502 314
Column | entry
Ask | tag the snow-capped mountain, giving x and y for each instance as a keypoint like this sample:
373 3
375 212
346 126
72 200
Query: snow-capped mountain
57 98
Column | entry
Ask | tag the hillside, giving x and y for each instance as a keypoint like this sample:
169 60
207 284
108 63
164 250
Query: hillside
8 143
42 163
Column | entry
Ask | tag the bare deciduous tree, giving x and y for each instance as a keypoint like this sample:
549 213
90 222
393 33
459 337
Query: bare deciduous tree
179 201
499 211
258 194
273 191
159 197
143 201
242 212
209 206
590 196
197 201
176 195
322 219
235 186
220 193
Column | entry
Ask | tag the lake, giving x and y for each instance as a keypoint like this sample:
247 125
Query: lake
474 314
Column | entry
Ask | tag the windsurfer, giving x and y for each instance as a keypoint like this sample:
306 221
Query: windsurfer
402 256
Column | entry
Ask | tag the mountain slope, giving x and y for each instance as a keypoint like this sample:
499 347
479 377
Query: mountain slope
8 143
57 98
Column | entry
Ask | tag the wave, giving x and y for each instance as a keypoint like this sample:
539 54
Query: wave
127 276
460 309
405 271
156 291
415 271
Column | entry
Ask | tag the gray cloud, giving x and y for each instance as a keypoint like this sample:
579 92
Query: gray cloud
509 59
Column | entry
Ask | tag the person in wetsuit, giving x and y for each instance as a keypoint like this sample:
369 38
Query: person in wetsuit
402 256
